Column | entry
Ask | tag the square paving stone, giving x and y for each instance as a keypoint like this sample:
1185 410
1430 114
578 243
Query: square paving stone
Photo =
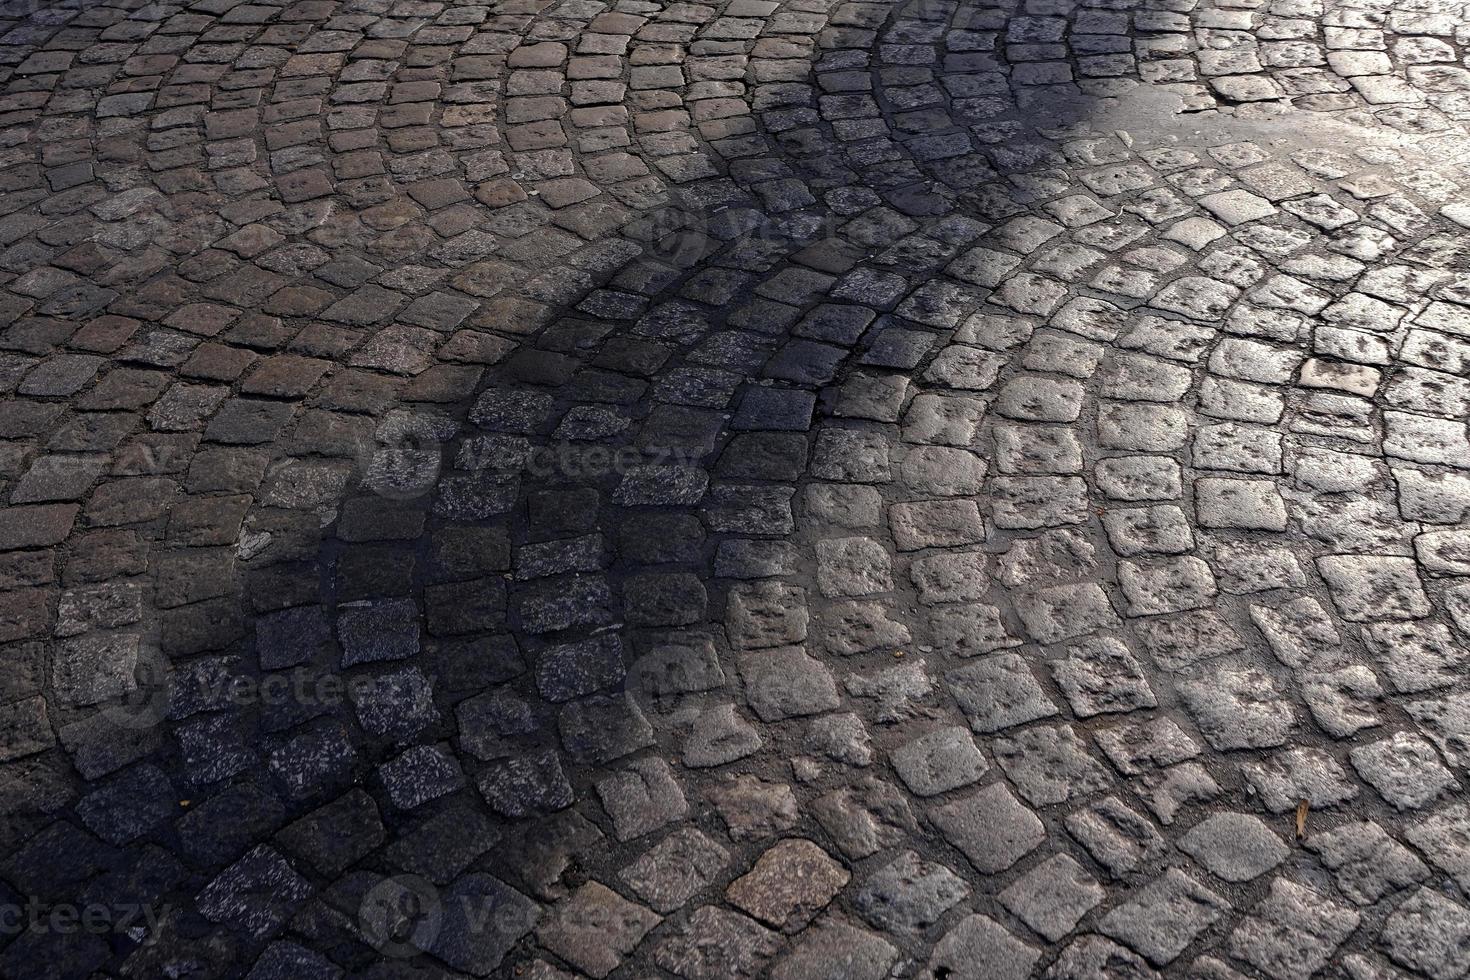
1053 897
717 736
1065 611
385 629
991 828
909 894
938 761
465 940
675 869
595 929
1176 642
936 524
1404 769
953 577
999 692
1057 555
1140 747
897 693
255 894
1035 398
1284 779
1148 530
834 950
1366 863
780 409
1234 846
789 885
1238 709
1444 838
1429 933
853 567
784 682
572 670
851 456
1166 585
527 784
1096 958
1118 838
1293 932
1366 587
752 807
765 614
420 774
716 944
1239 504
1050 764
865 817
604 727
943 471
1300 633
1418 656
977 940
1100 675
1162 918
642 798
1029 502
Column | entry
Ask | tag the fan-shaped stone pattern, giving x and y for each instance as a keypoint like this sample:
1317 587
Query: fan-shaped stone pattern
579 489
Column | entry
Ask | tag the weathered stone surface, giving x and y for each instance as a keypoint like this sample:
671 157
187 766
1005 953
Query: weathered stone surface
480 447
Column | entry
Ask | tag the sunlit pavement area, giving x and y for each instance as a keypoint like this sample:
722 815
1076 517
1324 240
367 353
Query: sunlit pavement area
811 489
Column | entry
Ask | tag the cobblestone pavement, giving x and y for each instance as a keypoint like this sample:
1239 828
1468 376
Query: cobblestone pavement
790 488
